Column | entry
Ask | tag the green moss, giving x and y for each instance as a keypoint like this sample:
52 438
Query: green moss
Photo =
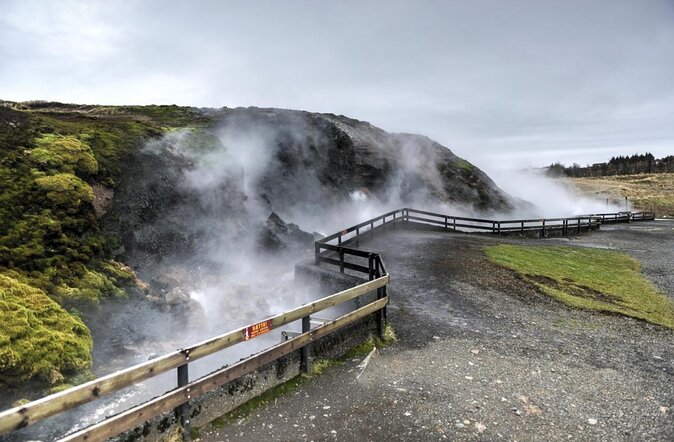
63 153
38 339
247 408
465 165
65 189
195 433
318 367
50 239
590 279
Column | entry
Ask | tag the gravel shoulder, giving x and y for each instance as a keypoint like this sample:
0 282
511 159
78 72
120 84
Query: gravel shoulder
481 355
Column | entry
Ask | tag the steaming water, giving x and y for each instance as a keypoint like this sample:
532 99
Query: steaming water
124 399
253 288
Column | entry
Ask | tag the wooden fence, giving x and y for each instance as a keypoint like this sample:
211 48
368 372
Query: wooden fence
332 250
19 417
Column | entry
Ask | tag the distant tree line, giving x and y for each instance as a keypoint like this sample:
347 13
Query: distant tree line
620 165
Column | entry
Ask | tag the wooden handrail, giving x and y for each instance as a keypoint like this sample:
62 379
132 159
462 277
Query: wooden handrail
19 417
141 413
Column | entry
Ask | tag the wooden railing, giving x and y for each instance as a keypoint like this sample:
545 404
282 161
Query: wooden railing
336 248
333 250
624 217
19 417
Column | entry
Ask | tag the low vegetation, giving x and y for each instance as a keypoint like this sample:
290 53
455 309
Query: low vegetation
586 278
649 192
38 339
55 263
620 165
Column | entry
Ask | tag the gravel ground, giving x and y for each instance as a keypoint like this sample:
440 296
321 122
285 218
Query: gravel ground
483 356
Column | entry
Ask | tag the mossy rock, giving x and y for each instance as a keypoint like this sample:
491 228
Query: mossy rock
65 189
63 153
38 338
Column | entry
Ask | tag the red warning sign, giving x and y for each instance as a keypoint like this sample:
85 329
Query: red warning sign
257 329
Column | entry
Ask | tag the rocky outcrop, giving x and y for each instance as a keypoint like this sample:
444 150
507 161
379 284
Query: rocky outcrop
313 160
278 235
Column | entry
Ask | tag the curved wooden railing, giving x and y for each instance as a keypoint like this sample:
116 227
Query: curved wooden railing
19 417
332 250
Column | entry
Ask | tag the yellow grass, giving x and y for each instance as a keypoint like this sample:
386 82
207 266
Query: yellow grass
643 191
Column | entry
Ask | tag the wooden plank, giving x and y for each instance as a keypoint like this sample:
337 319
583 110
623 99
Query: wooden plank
19 417
141 413
348 265
347 250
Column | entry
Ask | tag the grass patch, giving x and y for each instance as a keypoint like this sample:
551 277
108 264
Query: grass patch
590 279
643 191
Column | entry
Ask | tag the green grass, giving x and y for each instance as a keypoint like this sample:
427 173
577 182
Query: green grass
591 279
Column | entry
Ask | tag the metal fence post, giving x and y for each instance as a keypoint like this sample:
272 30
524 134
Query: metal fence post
305 352
183 411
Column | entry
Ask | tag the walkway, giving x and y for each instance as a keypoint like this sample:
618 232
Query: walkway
482 356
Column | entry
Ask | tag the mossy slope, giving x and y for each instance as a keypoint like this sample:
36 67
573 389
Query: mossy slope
587 278
38 339
53 255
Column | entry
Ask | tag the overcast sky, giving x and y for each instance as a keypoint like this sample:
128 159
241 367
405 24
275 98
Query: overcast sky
500 83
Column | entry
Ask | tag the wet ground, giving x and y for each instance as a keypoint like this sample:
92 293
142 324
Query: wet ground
481 355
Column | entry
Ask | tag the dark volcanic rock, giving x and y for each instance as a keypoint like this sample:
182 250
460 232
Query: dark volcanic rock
184 194
160 216
315 160
277 235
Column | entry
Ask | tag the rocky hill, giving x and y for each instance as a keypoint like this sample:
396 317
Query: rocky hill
102 203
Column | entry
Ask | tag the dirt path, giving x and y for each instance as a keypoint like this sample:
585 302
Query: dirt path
482 356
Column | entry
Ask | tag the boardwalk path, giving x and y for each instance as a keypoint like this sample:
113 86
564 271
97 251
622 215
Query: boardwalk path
482 356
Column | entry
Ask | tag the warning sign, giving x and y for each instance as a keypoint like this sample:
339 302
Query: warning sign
257 329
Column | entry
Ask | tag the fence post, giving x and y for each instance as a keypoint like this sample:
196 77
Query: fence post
341 260
317 253
454 224
499 228
305 352
543 230
357 236
578 225
371 229
493 226
183 411
522 227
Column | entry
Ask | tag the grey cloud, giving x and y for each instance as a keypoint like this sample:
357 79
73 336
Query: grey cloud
510 83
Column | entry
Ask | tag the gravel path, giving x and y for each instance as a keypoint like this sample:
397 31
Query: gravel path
483 356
